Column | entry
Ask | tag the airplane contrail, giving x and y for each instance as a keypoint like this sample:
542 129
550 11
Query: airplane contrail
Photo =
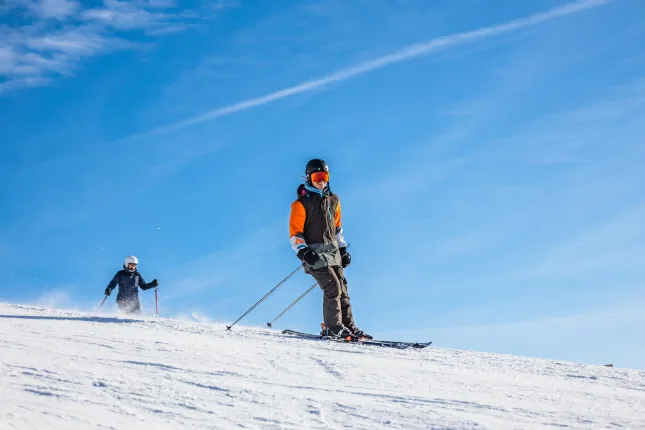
407 53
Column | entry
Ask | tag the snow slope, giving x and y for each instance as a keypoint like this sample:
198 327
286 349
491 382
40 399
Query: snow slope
69 370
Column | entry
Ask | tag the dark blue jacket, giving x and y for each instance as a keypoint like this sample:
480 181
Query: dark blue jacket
129 284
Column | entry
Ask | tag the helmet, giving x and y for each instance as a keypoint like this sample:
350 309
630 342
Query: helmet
316 165
130 259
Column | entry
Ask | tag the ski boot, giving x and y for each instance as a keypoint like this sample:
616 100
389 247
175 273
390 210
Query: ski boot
340 332
357 332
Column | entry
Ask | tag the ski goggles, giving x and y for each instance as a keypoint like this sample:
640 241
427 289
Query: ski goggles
319 177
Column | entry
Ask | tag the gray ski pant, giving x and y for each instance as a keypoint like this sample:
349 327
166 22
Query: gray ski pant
337 309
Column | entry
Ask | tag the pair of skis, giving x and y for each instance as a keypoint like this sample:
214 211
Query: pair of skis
373 342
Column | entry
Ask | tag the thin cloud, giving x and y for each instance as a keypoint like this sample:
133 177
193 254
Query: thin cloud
573 321
220 269
30 57
407 53
123 15
615 243
17 83
219 5
43 9
51 38
74 41
56 9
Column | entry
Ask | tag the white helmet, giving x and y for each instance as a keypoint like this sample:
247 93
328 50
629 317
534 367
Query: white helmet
131 259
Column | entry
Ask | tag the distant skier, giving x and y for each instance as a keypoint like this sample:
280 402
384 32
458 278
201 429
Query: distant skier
129 281
316 235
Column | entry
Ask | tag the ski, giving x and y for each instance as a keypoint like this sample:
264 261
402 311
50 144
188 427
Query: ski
373 342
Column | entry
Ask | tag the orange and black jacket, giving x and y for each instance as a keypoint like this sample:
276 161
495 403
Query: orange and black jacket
316 223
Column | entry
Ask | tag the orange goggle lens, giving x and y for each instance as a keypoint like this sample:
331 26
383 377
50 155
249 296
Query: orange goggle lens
320 177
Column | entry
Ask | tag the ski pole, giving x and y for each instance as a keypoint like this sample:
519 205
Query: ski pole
270 324
156 303
228 327
104 299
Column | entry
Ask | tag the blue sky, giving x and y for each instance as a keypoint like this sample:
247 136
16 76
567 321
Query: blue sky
488 156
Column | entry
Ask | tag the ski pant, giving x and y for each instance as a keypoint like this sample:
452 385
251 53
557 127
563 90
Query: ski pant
129 305
337 310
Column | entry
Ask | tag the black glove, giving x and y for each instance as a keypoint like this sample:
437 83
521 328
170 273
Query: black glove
154 283
311 257
108 292
345 258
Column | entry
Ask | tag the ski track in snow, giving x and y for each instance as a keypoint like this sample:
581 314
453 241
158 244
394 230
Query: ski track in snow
70 370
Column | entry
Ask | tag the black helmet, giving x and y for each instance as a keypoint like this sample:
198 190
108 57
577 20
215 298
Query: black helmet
316 165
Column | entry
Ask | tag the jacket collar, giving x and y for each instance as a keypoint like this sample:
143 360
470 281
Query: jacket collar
315 190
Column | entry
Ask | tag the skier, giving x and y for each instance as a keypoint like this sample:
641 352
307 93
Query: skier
316 235
129 281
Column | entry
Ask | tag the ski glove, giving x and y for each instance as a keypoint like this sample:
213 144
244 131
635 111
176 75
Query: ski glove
154 283
345 258
108 291
311 257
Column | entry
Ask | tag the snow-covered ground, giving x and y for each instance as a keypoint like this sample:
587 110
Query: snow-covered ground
70 370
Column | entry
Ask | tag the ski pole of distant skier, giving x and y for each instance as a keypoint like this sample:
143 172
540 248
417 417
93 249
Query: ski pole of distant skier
156 303
265 296
270 324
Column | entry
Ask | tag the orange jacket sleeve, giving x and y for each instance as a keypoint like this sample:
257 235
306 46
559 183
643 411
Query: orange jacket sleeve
297 226
340 236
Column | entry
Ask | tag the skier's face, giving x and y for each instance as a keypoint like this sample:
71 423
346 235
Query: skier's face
132 266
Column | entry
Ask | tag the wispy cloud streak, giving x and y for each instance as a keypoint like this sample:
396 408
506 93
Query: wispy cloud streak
407 53
50 38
